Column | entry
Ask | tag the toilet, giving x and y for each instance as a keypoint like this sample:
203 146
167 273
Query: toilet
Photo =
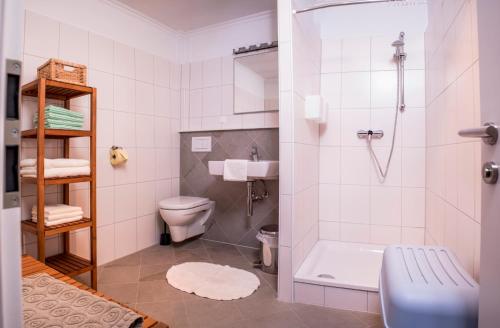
186 216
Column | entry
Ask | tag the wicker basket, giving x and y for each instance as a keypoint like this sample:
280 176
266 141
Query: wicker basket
63 71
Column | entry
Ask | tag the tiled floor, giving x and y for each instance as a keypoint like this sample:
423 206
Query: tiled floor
139 280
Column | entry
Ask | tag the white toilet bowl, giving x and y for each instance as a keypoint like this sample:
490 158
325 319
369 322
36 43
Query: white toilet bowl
186 216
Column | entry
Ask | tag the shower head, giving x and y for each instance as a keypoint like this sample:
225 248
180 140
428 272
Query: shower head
398 43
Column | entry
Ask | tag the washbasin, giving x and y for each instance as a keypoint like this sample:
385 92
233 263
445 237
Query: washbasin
265 170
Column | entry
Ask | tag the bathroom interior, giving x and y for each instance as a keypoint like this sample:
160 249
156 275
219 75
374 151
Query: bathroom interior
274 163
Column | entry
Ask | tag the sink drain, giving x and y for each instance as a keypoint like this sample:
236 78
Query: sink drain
326 275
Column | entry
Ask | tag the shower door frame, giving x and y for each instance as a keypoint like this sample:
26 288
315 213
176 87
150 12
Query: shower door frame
488 12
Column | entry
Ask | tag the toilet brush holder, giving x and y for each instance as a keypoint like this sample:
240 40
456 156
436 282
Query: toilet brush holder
165 236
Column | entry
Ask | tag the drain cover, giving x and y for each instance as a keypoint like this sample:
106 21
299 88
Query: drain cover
326 275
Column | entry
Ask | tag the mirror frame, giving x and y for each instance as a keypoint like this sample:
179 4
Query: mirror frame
247 54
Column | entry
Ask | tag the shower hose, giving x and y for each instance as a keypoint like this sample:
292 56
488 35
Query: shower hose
399 106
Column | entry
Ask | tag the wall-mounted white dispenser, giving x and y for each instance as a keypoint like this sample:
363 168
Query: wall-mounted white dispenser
316 109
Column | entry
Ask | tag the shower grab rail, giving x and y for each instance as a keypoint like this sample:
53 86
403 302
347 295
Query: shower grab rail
488 132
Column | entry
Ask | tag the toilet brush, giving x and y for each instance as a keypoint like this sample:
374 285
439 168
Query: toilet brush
165 236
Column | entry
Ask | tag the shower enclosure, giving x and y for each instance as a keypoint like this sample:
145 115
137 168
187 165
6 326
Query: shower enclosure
346 199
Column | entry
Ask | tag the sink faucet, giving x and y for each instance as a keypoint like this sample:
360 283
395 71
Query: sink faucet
254 154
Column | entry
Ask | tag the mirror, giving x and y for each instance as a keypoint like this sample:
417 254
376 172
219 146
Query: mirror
256 82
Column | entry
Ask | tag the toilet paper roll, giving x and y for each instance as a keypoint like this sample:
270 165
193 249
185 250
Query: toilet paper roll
117 156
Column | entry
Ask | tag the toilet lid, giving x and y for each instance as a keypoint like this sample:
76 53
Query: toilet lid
182 202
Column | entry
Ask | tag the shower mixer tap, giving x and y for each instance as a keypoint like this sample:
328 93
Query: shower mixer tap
374 134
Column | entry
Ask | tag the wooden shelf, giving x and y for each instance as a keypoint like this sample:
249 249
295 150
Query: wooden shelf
28 225
56 90
66 263
59 181
56 134
69 264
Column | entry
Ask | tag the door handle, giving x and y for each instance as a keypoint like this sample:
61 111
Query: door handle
488 132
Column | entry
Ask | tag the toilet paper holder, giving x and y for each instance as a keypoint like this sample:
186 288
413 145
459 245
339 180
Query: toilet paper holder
117 155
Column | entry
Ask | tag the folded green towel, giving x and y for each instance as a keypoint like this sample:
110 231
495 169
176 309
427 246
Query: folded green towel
61 126
62 111
61 117
51 121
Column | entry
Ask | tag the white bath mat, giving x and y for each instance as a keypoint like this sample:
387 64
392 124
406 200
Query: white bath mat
214 281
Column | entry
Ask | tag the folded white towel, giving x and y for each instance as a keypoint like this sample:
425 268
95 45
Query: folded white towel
235 170
55 217
60 221
55 163
60 172
57 209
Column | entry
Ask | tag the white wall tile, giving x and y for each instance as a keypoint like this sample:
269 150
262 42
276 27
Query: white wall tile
414 167
227 70
105 244
413 207
356 233
161 101
355 166
355 204
352 122
125 238
144 98
386 206
144 66
212 72
101 53
331 89
330 132
146 199
103 82
125 202
41 36
161 72
105 206
331 56
127 172
413 236
124 62
356 54
196 75
124 94
146 164
162 132
329 230
124 129
385 235
145 132
329 165
104 172
105 124
146 231
383 89
356 90
74 44
212 101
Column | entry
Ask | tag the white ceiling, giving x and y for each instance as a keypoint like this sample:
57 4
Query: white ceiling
185 15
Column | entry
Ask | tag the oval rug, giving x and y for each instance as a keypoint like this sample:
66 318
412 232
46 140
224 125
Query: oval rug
214 281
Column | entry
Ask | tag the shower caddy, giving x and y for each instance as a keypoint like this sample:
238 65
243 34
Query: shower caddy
66 262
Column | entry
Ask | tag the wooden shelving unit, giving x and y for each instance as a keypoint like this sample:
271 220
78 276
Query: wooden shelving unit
67 263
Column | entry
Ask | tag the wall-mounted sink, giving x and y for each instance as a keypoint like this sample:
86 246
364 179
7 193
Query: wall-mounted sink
265 170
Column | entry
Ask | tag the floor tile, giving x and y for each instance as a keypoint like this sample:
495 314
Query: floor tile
139 280
120 275
124 293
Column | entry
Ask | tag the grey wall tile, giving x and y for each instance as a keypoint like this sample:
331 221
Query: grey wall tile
231 223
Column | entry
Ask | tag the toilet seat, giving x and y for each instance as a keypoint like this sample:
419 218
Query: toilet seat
182 203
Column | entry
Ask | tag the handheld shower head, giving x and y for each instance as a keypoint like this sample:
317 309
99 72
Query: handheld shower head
398 43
